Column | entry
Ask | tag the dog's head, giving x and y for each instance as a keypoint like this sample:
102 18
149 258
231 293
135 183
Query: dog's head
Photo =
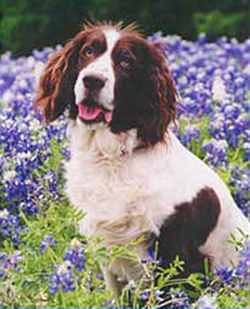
112 76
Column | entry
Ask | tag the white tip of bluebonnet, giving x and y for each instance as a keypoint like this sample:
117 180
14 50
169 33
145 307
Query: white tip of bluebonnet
206 302
218 89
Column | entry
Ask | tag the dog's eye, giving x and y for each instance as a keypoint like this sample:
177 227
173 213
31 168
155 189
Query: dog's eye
88 51
125 62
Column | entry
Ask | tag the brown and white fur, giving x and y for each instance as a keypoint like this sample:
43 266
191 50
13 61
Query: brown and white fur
128 172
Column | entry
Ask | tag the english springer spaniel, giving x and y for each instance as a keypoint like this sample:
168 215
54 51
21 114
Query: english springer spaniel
128 172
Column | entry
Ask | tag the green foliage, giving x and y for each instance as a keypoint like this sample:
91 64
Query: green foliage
216 23
18 32
33 24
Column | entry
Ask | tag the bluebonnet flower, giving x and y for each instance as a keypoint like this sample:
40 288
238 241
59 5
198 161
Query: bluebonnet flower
152 257
47 241
145 295
15 259
206 302
9 262
243 268
63 279
192 132
73 260
225 275
10 226
3 258
240 180
218 89
202 38
246 146
44 54
151 253
179 299
75 255
216 152
109 303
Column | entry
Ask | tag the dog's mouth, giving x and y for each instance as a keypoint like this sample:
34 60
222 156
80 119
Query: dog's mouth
92 112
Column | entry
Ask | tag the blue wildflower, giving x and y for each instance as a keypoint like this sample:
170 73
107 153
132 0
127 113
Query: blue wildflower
216 152
63 279
243 268
10 226
9 262
206 302
75 255
192 132
240 180
109 303
179 299
48 240
225 275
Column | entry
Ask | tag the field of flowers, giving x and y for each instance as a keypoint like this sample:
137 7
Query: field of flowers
44 262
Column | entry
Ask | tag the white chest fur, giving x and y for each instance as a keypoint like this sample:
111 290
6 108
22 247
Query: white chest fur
111 184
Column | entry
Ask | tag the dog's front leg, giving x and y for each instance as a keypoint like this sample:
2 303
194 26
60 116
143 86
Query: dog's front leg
112 282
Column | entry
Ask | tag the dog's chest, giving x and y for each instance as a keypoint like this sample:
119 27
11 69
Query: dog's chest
124 193
118 195
111 189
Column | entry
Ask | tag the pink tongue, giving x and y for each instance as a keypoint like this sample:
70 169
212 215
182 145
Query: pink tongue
89 113
108 116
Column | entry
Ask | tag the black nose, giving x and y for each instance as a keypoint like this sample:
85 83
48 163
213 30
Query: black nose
93 82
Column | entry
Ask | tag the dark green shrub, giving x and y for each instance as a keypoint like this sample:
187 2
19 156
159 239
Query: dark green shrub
29 24
216 23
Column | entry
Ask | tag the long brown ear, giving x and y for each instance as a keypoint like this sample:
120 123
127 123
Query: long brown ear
160 97
55 90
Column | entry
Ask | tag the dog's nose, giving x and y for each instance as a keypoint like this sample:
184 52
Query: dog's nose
93 82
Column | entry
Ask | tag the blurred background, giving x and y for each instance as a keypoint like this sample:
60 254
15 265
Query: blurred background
34 24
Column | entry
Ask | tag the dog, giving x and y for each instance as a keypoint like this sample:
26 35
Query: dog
128 172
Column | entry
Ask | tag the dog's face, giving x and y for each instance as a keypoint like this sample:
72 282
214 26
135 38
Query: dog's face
94 87
112 77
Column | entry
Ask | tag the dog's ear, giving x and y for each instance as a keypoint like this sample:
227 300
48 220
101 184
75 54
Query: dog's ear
160 97
56 85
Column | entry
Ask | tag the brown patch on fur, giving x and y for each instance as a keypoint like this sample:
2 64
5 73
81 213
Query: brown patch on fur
95 39
187 229
145 95
55 90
